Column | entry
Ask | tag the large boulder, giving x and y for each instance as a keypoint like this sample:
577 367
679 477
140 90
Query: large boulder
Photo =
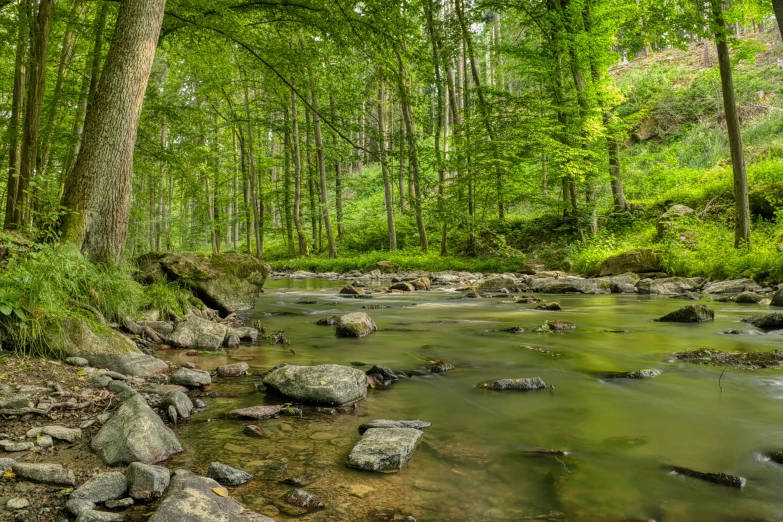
498 282
571 285
73 337
671 216
326 384
135 433
777 298
228 282
384 449
690 314
642 260
193 498
195 332
356 324
773 321
669 285
732 286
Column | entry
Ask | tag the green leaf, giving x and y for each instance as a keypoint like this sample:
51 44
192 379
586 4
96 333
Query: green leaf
5 309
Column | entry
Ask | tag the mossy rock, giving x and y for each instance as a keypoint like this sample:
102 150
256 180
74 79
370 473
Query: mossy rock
637 261
767 200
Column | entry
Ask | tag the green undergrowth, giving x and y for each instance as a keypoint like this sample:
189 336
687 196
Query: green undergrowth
49 283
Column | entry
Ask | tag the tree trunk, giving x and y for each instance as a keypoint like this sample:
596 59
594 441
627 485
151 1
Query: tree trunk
289 225
39 39
252 176
17 114
300 233
741 206
777 5
97 196
618 194
338 175
310 183
387 196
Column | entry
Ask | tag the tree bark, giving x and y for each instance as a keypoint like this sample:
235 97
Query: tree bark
17 115
387 196
300 233
252 176
97 196
338 175
777 5
289 225
741 206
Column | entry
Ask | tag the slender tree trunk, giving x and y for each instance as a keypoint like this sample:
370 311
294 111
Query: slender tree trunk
777 5
544 188
17 116
741 206
387 196
338 174
252 176
300 233
310 182
618 194
98 194
39 40
289 222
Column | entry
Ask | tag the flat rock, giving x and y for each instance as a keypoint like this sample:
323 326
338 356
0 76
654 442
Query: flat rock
255 412
386 423
638 374
697 313
384 449
669 285
733 286
92 515
642 260
137 364
15 504
190 378
77 361
62 433
325 384
44 473
773 321
227 475
526 384
121 503
192 498
12 447
135 433
146 482
110 485
195 332
233 370
356 324
15 402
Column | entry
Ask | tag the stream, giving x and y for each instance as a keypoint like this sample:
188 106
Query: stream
474 461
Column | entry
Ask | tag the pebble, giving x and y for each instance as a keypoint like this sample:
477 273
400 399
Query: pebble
77 361
119 504
45 441
16 504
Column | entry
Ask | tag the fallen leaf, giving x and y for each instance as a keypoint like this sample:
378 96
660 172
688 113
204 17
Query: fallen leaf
221 491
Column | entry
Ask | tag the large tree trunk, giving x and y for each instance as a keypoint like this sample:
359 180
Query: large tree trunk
32 122
310 182
98 195
17 114
777 5
300 233
252 176
387 196
289 224
741 207
338 175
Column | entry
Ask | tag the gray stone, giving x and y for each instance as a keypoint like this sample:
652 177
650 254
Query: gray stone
147 482
669 285
110 485
138 364
15 402
190 378
44 473
179 401
101 381
15 504
571 285
62 433
75 506
162 328
773 321
385 423
733 286
255 412
326 384
748 298
384 372
698 313
75 338
122 503
6 464
123 390
642 260
233 370
195 332
356 324
11 446
247 333
135 434
624 283
92 515
777 298
44 441
298 502
190 498
638 374
384 449
534 383
499 282
77 361
227 475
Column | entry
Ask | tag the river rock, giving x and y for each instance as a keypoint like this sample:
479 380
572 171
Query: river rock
526 384
246 333
179 401
773 321
15 402
748 298
402 287
162 328
732 286
75 338
385 423
62 433
624 283
351 290
498 282
122 503
255 412
195 332
44 441
329 320
638 374
326 384
147 482
136 364
549 305
233 370
190 378
439 366
777 298
697 313
44 473
75 506
298 502
92 515
356 324
642 260
571 285
110 485
227 475
135 433
11 446
228 282
421 283
192 498
669 285
384 449
382 373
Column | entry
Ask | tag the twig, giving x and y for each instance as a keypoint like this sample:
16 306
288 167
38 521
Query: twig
721 377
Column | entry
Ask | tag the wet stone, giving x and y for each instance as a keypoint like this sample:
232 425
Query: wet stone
690 314
300 480
549 305
722 479
255 431
111 485
773 321
190 378
526 384
385 423
122 503
384 449
226 475
439 367
255 412
382 373
233 370
75 506
638 374
298 502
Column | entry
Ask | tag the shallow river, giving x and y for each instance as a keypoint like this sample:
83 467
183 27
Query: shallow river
472 463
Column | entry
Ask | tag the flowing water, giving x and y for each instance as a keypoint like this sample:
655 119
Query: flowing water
473 462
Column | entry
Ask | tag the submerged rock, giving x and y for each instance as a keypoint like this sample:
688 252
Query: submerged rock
638 374
227 475
329 320
298 502
146 482
558 325
384 449
439 366
723 479
549 305
326 384
382 373
193 498
747 360
356 324
690 314
773 321
385 423
255 412
526 384
135 433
